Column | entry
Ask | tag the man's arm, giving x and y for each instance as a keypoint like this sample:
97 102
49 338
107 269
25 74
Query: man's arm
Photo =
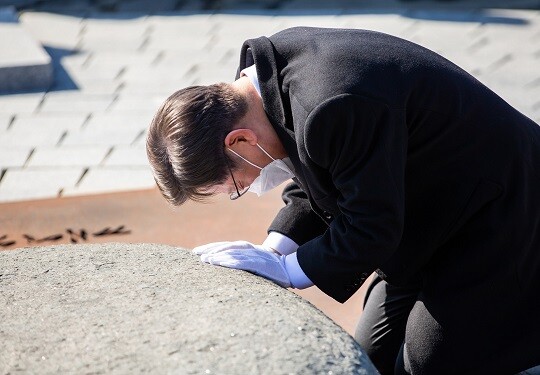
297 220
362 143
275 259
295 223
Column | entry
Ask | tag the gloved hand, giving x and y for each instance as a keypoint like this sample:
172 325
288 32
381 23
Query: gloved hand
250 258
217 247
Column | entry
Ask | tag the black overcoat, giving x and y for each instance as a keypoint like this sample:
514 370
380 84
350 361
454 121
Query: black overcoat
404 162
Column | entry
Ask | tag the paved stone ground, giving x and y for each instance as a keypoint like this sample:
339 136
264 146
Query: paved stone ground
24 64
117 60
131 309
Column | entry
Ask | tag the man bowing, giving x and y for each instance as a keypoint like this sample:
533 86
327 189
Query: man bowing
402 163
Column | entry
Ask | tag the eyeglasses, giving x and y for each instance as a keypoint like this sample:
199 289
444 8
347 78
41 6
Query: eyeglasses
238 193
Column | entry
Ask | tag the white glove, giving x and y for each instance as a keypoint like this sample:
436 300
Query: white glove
217 247
260 262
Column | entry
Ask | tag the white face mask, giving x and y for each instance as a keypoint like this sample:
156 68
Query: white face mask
274 174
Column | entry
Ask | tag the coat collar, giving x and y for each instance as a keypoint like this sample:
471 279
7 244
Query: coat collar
260 52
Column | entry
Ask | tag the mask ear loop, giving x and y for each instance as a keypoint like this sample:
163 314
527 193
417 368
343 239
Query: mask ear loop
263 150
244 159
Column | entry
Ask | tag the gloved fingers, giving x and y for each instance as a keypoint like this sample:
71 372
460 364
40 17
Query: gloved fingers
259 255
217 247
256 261
225 260
254 255
259 262
209 246
225 255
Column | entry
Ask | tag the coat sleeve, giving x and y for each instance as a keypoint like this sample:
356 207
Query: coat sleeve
297 220
362 144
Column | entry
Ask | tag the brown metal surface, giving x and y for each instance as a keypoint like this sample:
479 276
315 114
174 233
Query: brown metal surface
144 216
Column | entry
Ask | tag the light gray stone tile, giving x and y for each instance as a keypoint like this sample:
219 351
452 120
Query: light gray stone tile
113 35
444 37
13 156
230 58
257 25
131 44
98 87
68 156
96 72
95 80
24 64
526 47
181 22
526 100
137 104
207 76
199 27
159 41
233 41
75 102
517 72
121 25
186 58
120 60
155 88
77 59
141 139
128 120
94 83
5 120
48 122
155 73
51 29
484 60
25 137
111 179
19 103
34 183
110 130
393 24
122 156
100 136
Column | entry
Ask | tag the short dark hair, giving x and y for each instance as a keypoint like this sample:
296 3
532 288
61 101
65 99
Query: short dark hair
185 142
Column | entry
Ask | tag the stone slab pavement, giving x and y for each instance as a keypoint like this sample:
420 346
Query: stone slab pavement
116 61
24 64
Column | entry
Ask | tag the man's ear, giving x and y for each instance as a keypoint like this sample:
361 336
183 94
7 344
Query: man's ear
240 135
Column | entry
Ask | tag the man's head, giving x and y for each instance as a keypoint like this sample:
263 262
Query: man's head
185 143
